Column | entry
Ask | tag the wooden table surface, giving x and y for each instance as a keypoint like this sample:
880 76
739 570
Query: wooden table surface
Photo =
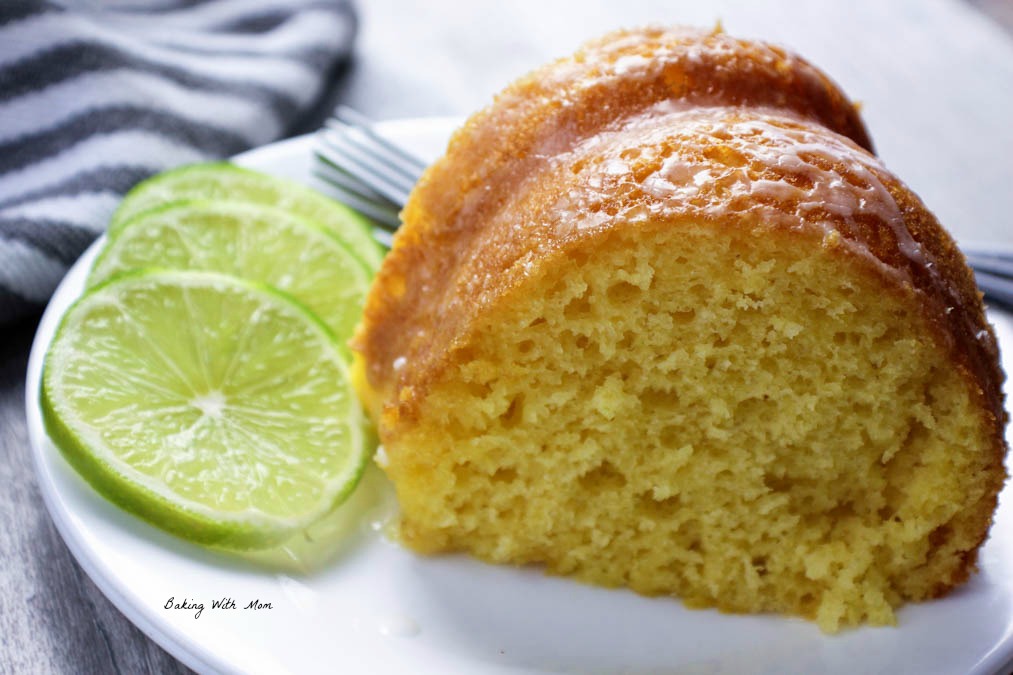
935 78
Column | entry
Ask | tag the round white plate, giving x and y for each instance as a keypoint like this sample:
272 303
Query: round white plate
377 608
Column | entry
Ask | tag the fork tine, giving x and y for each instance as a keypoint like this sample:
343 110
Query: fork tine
996 288
362 122
393 167
993 271
385 237
339 176
359 163
385 216
404 174
375 146
1000 264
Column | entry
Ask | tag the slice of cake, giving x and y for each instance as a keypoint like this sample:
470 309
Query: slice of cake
659 319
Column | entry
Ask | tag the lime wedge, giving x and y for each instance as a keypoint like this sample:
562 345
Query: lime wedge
215 408
224 181
259 243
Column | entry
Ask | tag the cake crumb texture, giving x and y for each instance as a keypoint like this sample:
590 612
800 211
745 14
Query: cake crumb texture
686 416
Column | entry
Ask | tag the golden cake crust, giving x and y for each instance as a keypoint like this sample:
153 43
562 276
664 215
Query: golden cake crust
665 126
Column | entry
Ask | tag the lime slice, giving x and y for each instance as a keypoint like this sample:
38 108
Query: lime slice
224 181
259 243
215 408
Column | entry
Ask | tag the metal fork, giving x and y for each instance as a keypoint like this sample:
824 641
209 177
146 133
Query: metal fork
375 176
366 171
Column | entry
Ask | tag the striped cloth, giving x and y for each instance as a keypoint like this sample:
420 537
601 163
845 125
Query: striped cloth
95 95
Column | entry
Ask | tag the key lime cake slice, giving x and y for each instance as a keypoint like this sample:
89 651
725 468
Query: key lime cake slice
660 319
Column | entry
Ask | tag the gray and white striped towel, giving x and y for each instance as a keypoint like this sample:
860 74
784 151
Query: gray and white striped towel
95 95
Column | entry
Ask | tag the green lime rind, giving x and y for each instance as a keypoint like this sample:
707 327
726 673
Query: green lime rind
225 181
109 422
252 241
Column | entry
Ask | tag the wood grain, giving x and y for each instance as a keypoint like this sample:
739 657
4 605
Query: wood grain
410 62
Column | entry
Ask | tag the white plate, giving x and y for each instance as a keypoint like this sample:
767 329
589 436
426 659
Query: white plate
377 608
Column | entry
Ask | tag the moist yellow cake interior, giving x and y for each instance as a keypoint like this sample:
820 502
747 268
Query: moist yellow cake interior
747 418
